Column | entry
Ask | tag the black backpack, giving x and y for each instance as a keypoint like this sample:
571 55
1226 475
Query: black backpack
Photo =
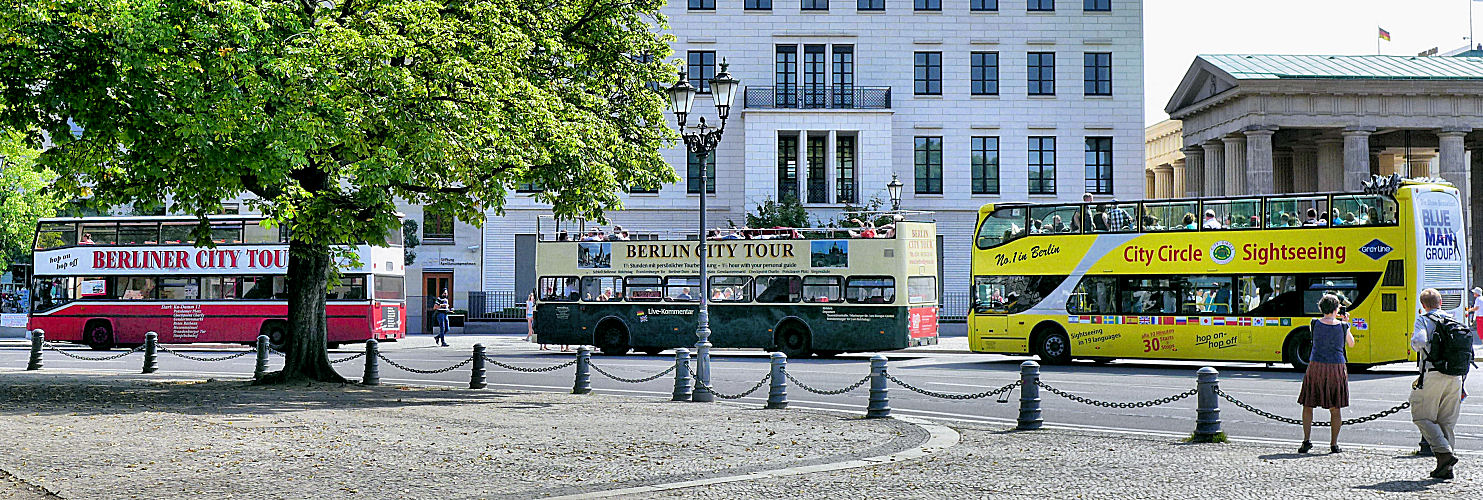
1450 349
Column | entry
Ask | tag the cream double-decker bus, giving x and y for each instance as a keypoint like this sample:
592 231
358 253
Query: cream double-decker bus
799 291
1225 279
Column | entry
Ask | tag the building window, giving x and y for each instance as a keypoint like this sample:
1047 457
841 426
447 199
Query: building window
702 68
787 167
815 4
785 76
870 5
642 190
529 187
928 158
985 73
702 4
985 165
844 76
1096 5
1042 73
1038 5
927 4
757 4
817 178
692 174
815 67
437 227
1042 165
928 73
1098 73
983 5
844 169
1099 165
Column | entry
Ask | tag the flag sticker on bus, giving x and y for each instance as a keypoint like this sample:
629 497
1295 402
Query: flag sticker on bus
1375 249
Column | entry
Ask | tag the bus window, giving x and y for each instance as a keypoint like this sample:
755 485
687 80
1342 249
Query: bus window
219 287
1001 226
1114 217
95 288
685 289
921 290
729 288
179 288
136 288
602 289
1364 210
350 288
822 289
1274 295
51 293
1207 294
1233 214
1344 287
1093 295
55 234
226 232
1148 295
390 287
644 288
1053 219
1171 216
98 234
871 290
177 233
254 232
393 238
558 289
138 233
1296 211
778 289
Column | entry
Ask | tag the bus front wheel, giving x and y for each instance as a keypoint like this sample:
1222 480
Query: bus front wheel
611 339
277 332
1298 348
98 335
1052 346
794 342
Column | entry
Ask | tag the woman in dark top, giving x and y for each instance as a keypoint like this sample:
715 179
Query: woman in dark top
1326 383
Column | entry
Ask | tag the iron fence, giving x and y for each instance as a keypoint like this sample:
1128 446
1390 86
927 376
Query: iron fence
487 305
818 97
954 308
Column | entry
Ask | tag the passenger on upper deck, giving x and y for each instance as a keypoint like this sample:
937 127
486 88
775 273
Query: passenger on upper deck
1210 221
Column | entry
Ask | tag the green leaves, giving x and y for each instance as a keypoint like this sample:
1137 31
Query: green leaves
25 197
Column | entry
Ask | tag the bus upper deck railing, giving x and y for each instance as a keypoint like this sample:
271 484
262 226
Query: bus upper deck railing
549 229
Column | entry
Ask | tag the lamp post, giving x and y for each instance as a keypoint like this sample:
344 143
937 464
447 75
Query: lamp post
701 142
894 189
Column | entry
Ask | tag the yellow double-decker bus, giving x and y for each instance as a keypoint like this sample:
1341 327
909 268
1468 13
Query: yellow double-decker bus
1223 279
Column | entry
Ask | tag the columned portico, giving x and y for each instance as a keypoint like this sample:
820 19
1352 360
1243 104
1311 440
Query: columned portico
1304 168
1259 160
1330 164
1235 166
1215 168
1282 178
1176 176
1356 157
1195 170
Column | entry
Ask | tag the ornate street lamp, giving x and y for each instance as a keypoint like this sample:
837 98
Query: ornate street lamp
894 189
701 142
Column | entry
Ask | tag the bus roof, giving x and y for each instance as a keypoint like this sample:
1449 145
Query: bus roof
1376 185
152 218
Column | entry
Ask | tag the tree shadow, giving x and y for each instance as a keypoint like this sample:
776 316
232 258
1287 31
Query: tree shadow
1400 486
1287 456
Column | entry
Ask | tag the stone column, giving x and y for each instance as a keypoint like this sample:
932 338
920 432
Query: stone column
1330 164
1150 186
1282 176
1259 159
1304 168
1419 164
1195 170
1475 212
1356 157
1235 145
1215 168
1176 179
1163 180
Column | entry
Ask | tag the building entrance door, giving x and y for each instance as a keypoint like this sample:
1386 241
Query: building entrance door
434 284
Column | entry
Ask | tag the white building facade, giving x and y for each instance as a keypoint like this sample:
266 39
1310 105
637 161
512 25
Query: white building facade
967 101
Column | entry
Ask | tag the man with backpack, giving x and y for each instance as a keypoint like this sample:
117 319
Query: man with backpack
1444 349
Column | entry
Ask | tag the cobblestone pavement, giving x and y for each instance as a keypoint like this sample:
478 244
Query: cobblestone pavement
996 462
87 436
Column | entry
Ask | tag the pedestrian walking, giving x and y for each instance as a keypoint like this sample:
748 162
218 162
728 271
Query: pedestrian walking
1473 312
440 311
530 317
1326 383
1444 350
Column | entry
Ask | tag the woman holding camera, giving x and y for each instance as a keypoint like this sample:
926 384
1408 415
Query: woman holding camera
1326 383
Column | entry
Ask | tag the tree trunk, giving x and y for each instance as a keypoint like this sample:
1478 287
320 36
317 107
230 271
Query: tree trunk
306 354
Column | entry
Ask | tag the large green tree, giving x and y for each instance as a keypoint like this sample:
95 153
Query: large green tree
24 197
330 110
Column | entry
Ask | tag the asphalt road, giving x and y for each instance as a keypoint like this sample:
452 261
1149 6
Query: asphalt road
945 368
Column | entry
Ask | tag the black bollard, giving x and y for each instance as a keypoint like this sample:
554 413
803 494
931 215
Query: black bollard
682 375
262 358
777 394
583 383
1207 406
37 338
476 379
1029 418
372 375
879 406
151 352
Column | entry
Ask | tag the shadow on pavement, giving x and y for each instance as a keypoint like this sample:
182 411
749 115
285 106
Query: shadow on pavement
1287 456
1134 367
1399 486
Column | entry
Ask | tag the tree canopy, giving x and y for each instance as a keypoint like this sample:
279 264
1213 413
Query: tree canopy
330 111
24 197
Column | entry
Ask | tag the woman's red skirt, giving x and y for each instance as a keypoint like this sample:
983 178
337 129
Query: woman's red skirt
1325 385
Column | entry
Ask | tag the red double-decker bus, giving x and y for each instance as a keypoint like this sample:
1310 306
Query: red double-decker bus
106 281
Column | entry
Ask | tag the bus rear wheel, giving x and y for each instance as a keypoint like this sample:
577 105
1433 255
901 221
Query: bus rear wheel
611 339
1052 346
794 342
98 335
1298 348
277 332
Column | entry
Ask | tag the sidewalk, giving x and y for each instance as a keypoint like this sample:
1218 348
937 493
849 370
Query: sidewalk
87 436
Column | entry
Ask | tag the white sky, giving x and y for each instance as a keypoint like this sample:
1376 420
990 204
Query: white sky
1175 31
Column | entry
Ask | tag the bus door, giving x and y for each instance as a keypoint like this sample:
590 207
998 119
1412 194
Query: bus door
990 308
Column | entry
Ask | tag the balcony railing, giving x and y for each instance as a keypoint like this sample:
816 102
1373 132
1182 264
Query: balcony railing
818 97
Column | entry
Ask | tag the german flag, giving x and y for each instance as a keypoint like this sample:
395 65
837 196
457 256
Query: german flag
1384 35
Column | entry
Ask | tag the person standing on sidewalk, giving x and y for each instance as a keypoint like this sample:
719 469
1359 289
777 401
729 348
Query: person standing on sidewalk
1436 398
1473 315
1326 383
440 309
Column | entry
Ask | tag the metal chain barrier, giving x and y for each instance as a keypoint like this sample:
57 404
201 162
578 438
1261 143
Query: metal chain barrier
722 395
944 395
165 348
1106 404
425 372
653 377
805 387
89 358
347 358
1316 423
529 370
